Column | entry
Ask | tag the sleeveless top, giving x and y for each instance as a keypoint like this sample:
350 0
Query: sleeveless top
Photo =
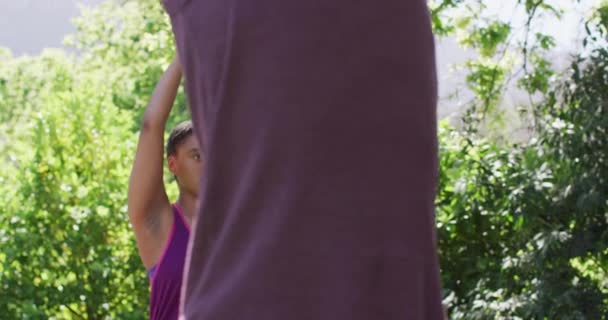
166 275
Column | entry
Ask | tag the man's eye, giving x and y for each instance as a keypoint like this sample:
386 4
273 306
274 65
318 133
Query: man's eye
197 157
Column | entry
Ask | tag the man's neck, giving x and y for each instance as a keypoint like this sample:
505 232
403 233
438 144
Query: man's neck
188 204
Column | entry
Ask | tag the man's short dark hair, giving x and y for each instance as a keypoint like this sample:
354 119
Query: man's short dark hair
177 137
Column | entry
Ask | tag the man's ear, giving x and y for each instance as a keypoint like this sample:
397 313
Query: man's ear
172 164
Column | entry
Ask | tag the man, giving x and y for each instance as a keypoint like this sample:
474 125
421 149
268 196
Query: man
318 121
162 229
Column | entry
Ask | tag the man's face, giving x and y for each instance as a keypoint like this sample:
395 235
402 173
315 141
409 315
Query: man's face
187 165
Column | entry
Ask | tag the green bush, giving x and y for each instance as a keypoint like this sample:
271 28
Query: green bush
522 228
67 245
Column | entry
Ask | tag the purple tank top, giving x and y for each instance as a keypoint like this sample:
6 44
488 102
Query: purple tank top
166 275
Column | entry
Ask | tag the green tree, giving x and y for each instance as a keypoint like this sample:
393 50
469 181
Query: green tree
67 248
132 43
522 227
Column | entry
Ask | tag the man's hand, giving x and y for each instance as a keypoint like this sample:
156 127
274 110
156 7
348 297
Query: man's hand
147 199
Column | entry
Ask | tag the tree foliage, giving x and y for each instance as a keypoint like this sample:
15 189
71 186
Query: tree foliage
522 227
